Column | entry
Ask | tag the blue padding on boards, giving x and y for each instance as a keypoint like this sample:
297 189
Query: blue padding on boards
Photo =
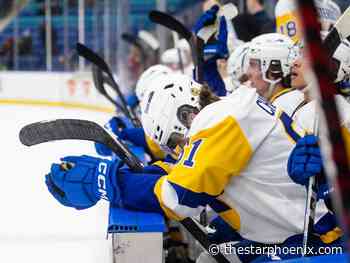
125 221
339 258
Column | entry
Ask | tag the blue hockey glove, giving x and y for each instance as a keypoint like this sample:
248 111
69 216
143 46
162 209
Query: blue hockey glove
218 49
206 19
132 100
305 160
343 88
116 125
81 181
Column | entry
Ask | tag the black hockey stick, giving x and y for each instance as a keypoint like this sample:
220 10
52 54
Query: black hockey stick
72 129
95 59
195 43
321 63
99 80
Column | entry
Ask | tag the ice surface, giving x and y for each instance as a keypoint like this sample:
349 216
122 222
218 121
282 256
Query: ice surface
33 226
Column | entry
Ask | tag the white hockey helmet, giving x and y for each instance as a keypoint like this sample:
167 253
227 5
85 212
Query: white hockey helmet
171 57
169 109
276 53
237 65
147 76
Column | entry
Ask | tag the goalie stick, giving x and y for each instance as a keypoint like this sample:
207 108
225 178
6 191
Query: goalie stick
95 59
321 64
70 129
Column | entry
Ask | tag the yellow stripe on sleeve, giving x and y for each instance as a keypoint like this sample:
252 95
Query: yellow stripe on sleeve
346 137
167 167
331 236
154 148
232 218
224 151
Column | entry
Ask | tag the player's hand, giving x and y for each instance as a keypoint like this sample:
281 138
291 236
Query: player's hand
80 181
218 49
116 125
206 19
305 160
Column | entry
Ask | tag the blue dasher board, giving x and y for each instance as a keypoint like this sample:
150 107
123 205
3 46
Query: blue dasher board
126 221
340 258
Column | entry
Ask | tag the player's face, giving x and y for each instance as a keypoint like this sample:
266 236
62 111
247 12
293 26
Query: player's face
255 77
300 66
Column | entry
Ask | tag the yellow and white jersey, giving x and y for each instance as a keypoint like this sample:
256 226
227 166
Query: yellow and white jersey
288 20
305 116
236 161
288 100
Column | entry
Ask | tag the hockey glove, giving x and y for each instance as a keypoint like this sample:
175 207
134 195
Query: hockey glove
305 160
343 88
206 19
116 125
81 181
218 49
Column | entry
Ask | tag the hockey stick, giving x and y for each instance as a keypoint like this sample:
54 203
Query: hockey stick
311 200
320 62
70 129
98 79
179 53
95 59
195 43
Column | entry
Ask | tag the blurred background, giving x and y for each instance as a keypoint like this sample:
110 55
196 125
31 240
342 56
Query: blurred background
40 35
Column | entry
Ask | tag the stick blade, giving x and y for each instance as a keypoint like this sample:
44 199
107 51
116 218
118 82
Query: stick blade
60 129
91 56
73 129
170 22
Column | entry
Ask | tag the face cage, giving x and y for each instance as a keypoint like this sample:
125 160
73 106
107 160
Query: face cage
183 114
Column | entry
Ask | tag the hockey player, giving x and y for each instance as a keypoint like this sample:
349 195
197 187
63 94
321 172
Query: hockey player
288 21
270 59
237 68
125 130
225 163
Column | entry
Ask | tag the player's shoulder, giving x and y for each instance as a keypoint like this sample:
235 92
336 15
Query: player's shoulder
288 100
236 106
284 6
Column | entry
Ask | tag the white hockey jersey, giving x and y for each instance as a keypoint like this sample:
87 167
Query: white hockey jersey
305 116
236 161
289 100
288 20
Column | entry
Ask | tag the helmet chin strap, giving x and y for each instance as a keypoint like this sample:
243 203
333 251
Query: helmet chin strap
272 85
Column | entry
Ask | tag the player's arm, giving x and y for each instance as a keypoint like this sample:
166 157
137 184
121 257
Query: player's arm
208 162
